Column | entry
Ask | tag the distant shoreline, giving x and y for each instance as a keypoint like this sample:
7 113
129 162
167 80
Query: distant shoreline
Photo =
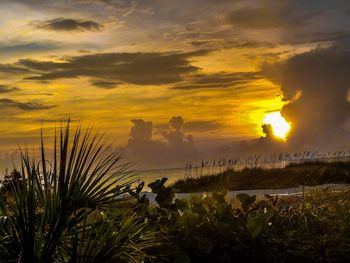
293 175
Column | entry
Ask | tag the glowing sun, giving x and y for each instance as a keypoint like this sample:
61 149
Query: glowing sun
280 127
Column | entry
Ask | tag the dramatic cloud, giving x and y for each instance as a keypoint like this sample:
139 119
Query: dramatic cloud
227 43
137 68
7 89
105 84
68 24
177 148
26 106
266 145
273 16
142 130
32 47
319 82
175 136
202 59
142 148
12 69
322 37
218 80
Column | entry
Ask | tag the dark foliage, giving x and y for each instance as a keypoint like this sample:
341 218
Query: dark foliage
57 210
310 228
308 174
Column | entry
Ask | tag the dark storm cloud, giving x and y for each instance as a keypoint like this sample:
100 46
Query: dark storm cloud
294 22
31 47
136 68
322 78
318 37
13 69
227 43
105 84
148 151
67 24
272 16
26 106
249 44
42 65
7 89
265 56
175 21
175 136
218 80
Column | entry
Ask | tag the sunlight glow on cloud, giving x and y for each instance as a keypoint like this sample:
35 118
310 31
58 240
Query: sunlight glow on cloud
280 127
221 65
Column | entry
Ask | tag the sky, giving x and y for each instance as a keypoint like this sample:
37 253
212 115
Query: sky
172 79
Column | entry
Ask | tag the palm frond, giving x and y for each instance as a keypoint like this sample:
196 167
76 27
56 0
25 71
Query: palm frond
59 195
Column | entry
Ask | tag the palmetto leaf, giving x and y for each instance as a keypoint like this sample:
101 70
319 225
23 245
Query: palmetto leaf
59 195
104 240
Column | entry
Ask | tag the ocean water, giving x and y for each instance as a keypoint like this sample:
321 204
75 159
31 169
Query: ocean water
175 174
149 176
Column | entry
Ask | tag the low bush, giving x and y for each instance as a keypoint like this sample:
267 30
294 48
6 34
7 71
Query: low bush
310 228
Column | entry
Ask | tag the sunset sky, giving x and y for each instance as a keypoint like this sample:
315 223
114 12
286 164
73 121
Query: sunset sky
220 65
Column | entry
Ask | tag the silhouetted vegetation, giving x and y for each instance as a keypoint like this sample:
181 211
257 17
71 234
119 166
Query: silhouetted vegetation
293 175
82 205
65 209
265 161
310 228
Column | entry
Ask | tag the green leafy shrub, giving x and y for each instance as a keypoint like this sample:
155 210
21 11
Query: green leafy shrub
205 228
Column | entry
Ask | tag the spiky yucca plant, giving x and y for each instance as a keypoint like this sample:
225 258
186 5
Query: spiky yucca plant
56 211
